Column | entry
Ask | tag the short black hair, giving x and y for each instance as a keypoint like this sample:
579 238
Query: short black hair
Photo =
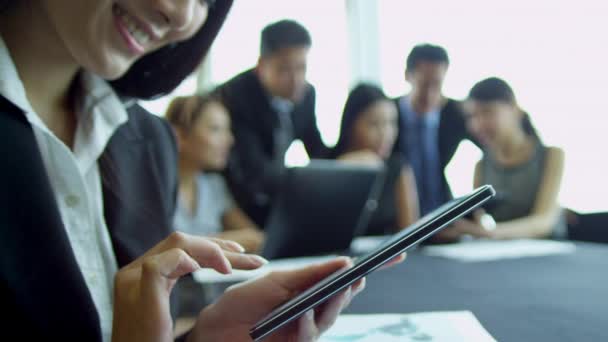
426 53
492 89
283 34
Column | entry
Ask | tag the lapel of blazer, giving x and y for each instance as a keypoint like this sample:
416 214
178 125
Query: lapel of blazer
38 265
401 144
139 180
452 130
442 136
119 166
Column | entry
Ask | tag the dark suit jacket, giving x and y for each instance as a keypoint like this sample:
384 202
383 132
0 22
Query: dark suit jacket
452 130
43 294
255 171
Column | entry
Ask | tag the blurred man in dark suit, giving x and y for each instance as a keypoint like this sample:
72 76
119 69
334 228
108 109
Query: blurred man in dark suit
271 106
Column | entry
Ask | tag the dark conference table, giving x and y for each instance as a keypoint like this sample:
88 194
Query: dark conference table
549 298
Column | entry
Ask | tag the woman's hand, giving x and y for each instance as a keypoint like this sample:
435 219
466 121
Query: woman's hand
142 288
243 305
472 228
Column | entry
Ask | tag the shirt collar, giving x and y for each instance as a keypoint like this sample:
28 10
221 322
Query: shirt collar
101 112
11 86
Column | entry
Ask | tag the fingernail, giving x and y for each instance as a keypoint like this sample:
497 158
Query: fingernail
237 247
259 260
347 260
359 288
227 267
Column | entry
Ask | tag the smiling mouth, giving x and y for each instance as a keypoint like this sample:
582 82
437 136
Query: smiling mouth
136 37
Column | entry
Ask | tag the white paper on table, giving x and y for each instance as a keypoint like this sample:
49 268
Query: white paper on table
489 250
452 326
210 276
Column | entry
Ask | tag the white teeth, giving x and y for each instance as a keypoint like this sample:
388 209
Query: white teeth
138 34
141 37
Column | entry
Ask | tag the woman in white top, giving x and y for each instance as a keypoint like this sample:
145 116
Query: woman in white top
205 204
58 113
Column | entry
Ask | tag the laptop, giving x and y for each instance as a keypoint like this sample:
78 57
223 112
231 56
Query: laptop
321 208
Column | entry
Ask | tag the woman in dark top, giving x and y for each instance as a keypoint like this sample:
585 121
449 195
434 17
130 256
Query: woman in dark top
367 134
525 173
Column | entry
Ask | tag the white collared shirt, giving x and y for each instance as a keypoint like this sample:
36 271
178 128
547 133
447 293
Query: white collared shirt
75 176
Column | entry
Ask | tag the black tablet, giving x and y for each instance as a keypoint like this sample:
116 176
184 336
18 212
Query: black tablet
402 241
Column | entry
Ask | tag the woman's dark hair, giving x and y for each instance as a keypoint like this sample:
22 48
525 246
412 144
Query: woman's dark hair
162 71
495 89
359 99
183 111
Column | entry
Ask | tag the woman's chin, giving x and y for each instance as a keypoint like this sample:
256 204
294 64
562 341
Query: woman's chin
114 73
113 68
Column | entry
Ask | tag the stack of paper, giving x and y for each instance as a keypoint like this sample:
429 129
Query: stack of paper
453 326
489 250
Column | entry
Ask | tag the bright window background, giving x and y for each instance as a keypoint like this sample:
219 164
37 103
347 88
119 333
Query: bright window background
553 53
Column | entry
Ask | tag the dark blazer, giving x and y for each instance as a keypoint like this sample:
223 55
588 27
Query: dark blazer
43 294
452 130
255 171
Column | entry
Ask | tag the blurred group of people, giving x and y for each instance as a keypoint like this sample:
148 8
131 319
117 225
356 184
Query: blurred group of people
232 145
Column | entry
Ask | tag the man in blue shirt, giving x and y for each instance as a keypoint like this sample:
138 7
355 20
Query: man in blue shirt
431 126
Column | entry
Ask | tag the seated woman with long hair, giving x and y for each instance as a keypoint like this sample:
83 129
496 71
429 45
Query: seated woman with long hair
367 134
